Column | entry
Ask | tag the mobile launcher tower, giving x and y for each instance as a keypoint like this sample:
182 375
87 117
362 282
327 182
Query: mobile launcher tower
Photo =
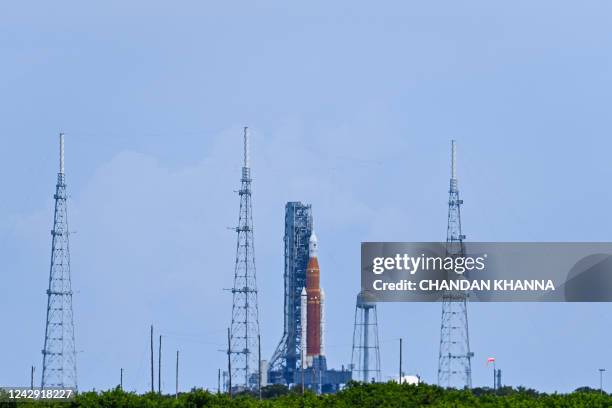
300 356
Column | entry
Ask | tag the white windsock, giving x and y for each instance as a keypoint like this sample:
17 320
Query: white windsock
304 318
322 347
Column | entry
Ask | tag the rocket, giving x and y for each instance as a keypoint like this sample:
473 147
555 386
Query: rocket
313 303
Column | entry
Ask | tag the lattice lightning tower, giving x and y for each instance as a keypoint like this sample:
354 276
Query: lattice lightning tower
454 363
59 355
245 314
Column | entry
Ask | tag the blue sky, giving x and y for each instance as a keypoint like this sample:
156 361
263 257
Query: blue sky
352 107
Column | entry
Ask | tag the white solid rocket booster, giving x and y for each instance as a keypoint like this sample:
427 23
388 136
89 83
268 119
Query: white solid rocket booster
303 311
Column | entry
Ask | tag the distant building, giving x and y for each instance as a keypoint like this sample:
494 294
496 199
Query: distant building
410 379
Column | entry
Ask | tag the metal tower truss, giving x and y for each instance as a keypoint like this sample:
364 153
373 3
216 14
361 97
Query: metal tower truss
245 315
59 355
287 356
365 358
454 362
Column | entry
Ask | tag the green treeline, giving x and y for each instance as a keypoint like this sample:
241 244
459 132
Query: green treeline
353 396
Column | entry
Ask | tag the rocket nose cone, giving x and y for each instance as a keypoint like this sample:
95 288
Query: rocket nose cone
313 245
304 290
313 237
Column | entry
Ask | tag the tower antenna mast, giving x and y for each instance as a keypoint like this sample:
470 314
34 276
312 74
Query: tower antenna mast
59 354
454 360
245 314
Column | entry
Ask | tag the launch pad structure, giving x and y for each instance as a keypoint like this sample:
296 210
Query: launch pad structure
293 362
298 228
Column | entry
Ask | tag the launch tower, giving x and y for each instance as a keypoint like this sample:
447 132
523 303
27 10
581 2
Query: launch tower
298 228
300 356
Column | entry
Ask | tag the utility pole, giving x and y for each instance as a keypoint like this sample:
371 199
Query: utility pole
259 359
177 369
601 371
32 378
159 366
229 363
152 364
121 380
219 381
400 361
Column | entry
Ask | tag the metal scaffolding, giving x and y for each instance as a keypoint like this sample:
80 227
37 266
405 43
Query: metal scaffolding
287 356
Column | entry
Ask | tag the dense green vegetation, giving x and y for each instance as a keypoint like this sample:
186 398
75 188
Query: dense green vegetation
353 396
